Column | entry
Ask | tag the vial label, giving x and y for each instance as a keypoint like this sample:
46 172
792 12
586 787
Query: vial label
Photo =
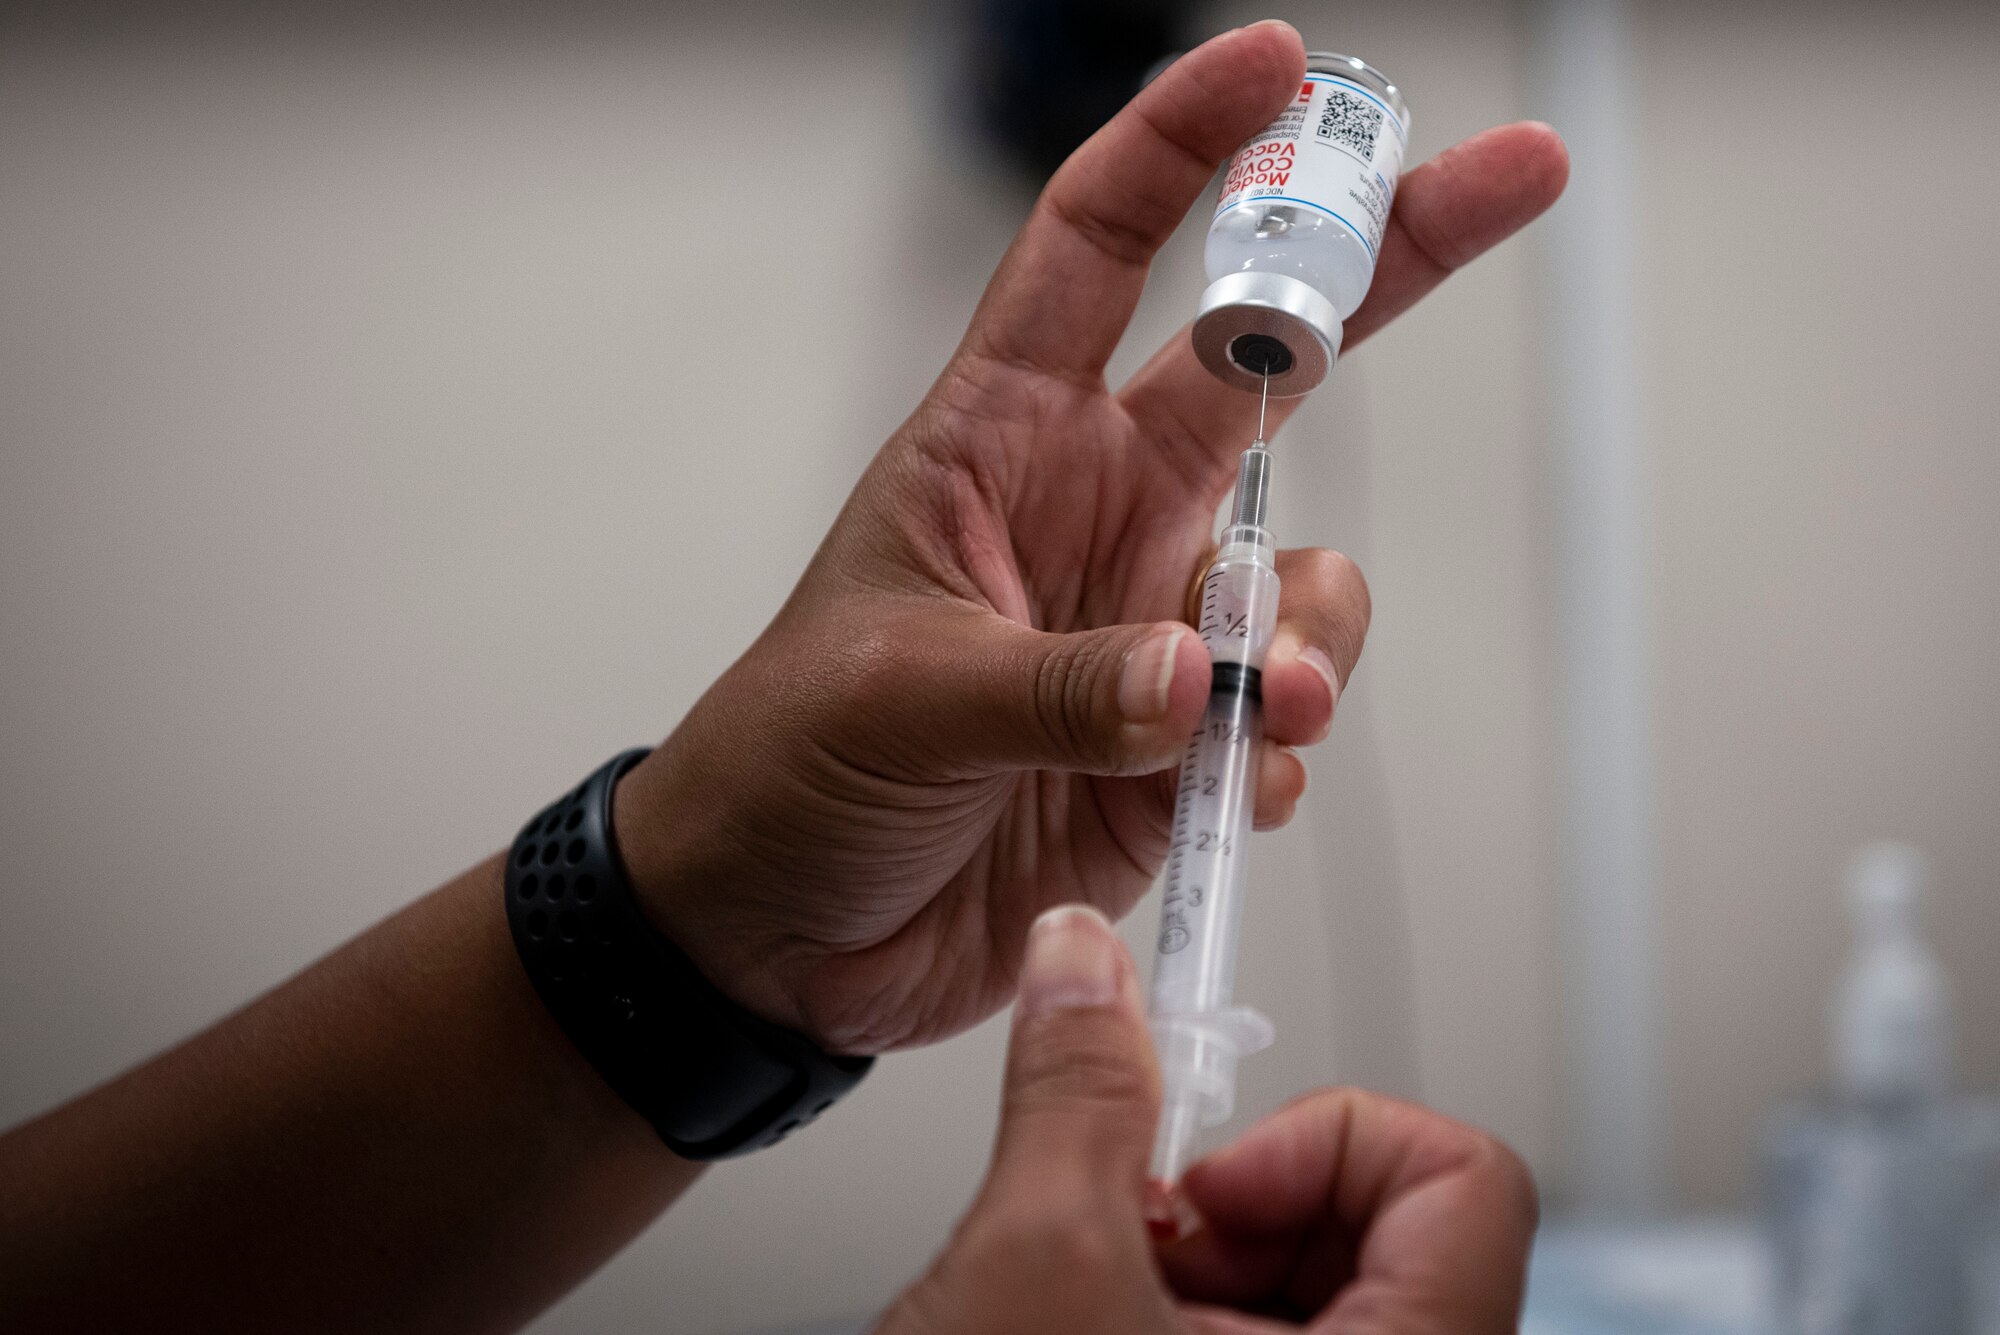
1337 149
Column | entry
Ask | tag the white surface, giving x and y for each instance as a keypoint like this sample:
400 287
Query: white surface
1681 1277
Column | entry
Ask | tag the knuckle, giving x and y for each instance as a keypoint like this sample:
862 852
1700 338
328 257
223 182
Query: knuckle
866 697
1334 602
1123 228
1500 1174
868 665
1090 1071
1057 1234
1065 701
1333 578
1380 1310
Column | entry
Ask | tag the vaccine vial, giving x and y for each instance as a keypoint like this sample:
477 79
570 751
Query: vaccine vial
1303 210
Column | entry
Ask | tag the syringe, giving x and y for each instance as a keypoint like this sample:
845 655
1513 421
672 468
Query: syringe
1197 1033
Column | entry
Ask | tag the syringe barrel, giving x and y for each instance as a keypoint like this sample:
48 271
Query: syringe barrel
1197 1033
1202 901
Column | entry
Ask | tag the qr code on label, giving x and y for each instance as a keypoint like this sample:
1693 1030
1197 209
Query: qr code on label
1350 122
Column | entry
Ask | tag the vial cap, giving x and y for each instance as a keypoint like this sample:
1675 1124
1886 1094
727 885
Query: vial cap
1251 325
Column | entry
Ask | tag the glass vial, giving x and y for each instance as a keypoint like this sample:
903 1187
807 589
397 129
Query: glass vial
1303 210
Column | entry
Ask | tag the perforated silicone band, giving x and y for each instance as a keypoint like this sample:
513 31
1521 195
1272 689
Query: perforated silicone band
713 1079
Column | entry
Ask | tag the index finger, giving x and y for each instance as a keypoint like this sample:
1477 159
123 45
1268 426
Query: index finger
1066 289
1375 1206
1462 202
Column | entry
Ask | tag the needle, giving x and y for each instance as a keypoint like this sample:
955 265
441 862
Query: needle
1263 401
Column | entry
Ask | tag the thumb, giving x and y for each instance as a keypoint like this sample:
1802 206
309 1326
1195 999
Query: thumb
1118 700
1082 1091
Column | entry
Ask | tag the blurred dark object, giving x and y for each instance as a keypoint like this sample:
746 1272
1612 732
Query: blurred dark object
1047 73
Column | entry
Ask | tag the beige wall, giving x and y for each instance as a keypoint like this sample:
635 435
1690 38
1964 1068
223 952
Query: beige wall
1828 466
366 395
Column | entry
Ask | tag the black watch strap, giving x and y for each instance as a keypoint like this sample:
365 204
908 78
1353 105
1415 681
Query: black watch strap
713 1079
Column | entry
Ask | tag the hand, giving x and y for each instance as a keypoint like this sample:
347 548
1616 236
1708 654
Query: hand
968 708
1345 1211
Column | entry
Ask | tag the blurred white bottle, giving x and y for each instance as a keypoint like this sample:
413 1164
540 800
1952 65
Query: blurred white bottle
1303 210
1892 1033
1875 1196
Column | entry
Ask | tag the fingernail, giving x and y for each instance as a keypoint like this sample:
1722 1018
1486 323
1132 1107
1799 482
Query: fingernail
1292 810
1148 676
1072 961
1320 663
1169 1214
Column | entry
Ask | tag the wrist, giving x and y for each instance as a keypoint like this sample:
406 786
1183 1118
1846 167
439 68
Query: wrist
647 845
714 1078
665 831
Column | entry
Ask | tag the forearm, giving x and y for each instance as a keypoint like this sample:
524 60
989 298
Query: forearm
398 1139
